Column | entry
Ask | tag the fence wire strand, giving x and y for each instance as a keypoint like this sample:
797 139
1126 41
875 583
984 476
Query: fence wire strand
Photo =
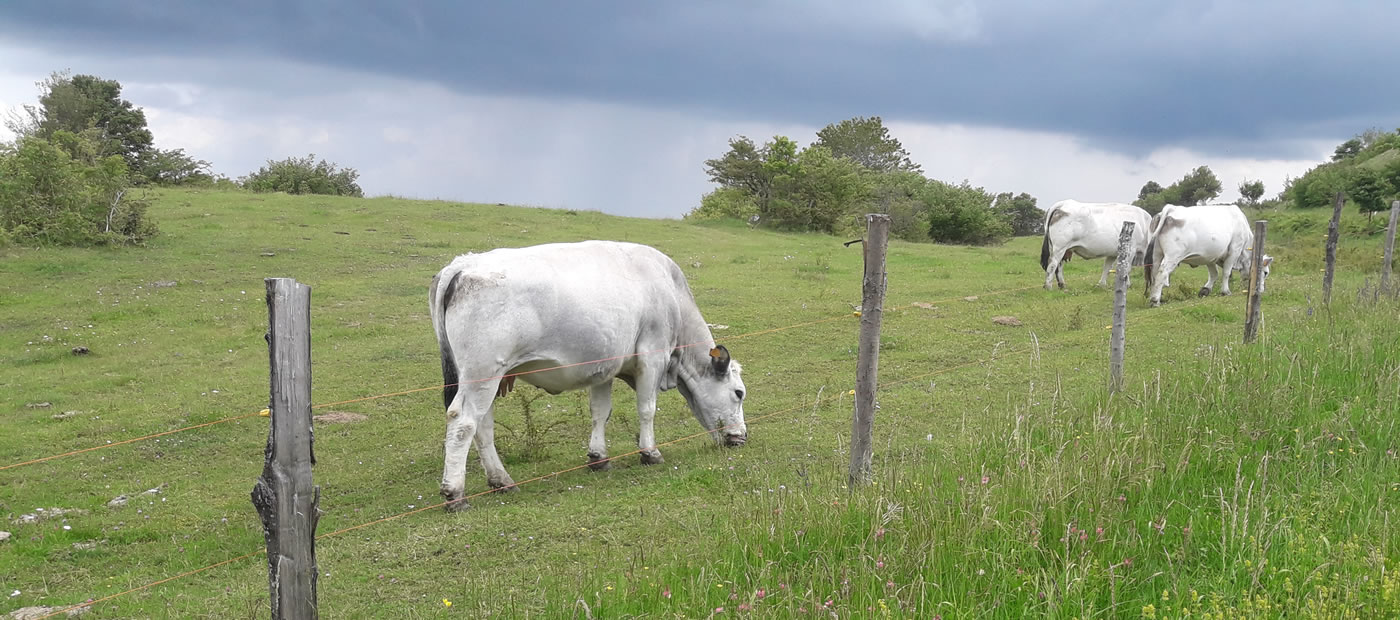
818 402
495 378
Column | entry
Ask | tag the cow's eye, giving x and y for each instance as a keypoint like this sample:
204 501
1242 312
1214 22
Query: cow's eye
739 394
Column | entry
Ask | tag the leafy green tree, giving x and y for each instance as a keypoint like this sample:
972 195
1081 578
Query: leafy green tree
741 168
1251 192
1020 212
1370 190
1347 150
1148 189
304 175
1317 186
1197 187
87 105
867 142
174 167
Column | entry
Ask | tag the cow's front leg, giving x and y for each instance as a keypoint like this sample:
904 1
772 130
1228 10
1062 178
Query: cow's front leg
496 475
600 404
1107 264
646 417
1210 280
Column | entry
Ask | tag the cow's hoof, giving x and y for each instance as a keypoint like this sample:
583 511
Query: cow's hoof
456 501
1156 303
652 458
1205 291
596 462
1224 293
503 486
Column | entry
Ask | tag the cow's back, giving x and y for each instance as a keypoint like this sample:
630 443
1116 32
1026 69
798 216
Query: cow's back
533 294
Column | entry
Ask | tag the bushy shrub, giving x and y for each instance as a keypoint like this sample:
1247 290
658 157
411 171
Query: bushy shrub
304 175
963 214
58 192
725 202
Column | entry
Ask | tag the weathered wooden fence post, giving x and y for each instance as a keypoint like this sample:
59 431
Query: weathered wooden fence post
1332 247
1256 274
867 364
284 496
1122 268
1389 247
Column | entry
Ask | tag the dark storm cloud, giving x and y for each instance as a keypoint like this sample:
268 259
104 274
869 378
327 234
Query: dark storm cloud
1257 76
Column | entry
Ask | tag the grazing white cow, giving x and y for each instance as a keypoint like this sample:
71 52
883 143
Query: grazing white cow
600 309
1089 229
1210 235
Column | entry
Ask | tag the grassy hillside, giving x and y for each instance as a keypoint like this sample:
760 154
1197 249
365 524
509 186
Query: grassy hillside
1260 478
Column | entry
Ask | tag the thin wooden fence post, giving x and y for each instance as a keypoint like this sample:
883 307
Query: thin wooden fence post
1389 247
284 496
867 364
1256 274
1332 247
1122 268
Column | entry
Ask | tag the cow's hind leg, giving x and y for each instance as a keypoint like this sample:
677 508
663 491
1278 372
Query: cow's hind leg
1162 278
464 419
496 475
600 404
1210 280
1107 264
1050 269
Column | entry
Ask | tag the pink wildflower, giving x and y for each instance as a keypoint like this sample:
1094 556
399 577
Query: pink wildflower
889 584
744 607
666 593
719 610
986 479
879 564
761 593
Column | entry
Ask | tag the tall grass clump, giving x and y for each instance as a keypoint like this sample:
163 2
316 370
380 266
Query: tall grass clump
1259 483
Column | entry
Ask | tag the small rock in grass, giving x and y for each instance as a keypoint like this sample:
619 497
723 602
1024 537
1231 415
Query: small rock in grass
1009 321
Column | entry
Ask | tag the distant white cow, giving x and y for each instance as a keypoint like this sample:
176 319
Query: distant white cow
1210 235
1089 229
601 309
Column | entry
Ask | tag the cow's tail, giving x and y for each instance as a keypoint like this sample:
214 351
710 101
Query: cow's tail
439 298
1149 258
1045 244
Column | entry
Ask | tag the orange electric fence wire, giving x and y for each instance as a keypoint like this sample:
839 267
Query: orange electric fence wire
338 532
498 377
489 491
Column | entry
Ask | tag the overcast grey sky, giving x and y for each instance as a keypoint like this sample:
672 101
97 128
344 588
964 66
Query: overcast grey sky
614 106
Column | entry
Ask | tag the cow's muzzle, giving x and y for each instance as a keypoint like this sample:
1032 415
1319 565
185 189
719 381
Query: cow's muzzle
734 440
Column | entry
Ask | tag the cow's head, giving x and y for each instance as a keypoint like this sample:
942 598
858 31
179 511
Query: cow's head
715 393
1264 271
1246 263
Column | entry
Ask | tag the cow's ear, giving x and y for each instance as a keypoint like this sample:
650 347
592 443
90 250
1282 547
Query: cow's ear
1268 260
719 360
